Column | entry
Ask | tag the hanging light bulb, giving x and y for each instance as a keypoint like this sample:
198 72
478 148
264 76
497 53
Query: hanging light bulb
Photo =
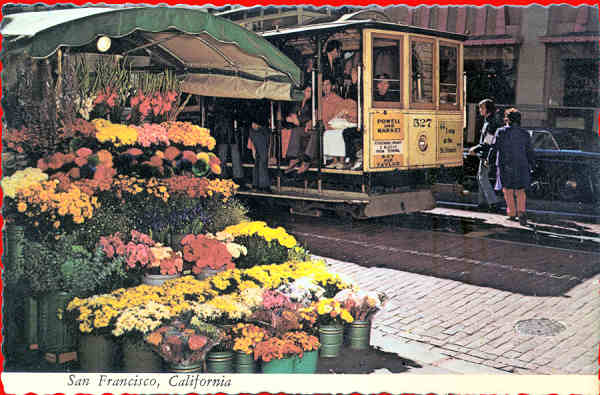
103 43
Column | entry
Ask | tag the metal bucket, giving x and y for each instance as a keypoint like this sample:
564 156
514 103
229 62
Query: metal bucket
359 335
219 362
308 362
244 363
331 337
96 353
186 368
139 358
284 365
55 334
157 279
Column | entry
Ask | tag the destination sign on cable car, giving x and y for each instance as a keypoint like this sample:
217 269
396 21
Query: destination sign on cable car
388 136
449 140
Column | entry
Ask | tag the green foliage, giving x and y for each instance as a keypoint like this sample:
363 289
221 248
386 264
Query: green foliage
224 214
260 252
42 267
107 220
298 254
85 274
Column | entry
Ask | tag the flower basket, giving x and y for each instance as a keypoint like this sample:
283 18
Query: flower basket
331 338
243 363
138 357
307 363
158 279
96 353
283 365
359 335
219 362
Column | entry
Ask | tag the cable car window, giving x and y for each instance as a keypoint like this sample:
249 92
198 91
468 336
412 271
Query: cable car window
422 72
448 74
386 72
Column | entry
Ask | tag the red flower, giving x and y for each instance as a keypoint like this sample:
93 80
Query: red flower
134 151
190 156
83 152
80 161
74 173
196 342
42 165
171 153
56 161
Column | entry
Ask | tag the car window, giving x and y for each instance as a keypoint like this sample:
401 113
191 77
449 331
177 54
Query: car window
542 139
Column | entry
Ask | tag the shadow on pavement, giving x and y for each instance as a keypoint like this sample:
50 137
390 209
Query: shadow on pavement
365 361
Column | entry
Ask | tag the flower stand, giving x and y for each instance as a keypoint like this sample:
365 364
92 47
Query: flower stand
219 362
158 279
284 365
330 337
139 358
307 363
359 335
244 363
96 353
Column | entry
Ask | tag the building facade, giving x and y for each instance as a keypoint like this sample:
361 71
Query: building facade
543 60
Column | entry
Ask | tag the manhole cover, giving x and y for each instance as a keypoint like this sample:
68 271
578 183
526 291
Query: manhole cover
539 327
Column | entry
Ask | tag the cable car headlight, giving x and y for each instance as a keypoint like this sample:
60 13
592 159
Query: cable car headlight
423 143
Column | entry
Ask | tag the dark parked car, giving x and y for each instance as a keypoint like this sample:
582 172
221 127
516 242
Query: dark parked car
563 170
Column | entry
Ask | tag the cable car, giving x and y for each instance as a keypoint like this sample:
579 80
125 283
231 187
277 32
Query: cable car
414 126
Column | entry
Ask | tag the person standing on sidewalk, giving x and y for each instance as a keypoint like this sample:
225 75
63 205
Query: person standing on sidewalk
486 197
515 161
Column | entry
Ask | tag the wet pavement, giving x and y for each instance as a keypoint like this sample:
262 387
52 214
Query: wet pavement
462 295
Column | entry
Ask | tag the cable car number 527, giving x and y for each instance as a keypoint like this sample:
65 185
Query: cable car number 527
422 123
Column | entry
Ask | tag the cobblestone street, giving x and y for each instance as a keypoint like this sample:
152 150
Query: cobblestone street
458 327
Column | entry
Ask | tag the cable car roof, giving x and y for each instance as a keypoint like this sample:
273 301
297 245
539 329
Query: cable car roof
337 26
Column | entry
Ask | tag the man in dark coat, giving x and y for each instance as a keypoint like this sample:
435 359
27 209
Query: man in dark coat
486 197
227 139
259 134
515 162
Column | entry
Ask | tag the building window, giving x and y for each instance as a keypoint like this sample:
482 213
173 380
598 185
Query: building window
422 72
581 86
448 74
491 73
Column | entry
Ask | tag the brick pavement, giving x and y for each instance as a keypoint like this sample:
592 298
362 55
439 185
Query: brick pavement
467 328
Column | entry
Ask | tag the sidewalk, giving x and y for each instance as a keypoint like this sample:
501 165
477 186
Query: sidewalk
449 327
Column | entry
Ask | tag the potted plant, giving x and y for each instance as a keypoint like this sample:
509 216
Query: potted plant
331 317
207 255
156 262
245 339
362 306
306 362
183 343
276 354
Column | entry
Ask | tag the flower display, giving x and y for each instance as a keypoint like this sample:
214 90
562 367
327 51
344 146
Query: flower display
205 252
303 291
143 253
275 348
247 336
22 179
303 340
180 342
330 311
361 304
141 319
145 188
261 229
117 134
44 203
189 135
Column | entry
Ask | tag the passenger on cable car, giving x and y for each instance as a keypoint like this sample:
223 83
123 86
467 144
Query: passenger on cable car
332 68
350 88
259 135
382 89
298 119
334 107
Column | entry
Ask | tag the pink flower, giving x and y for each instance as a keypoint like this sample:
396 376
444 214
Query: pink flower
83 152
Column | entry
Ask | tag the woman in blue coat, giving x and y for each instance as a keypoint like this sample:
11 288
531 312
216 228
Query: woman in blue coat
515 161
